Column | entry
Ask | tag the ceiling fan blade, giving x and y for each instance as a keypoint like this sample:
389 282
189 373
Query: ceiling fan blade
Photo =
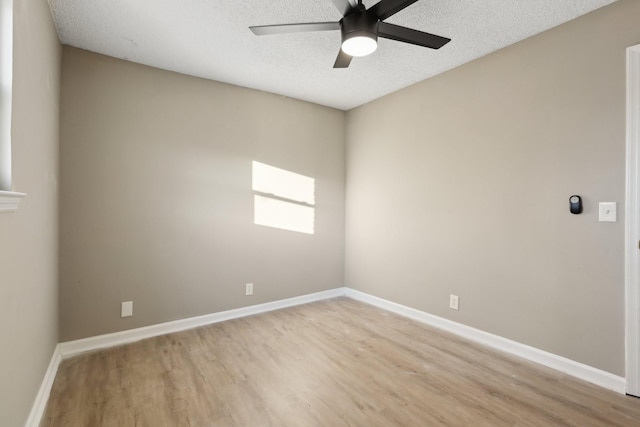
386 8
407 35
265 30
343 60
344 6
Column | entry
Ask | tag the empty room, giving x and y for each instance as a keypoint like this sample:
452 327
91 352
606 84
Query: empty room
319 213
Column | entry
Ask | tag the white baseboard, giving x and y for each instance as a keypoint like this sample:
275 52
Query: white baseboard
40 404
72 348
559 363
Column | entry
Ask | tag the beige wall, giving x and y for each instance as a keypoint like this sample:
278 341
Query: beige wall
28 237
460 185
156 199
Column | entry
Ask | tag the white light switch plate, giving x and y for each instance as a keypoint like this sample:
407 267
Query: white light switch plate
607 211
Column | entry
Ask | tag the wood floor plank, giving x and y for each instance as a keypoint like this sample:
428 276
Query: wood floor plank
331 363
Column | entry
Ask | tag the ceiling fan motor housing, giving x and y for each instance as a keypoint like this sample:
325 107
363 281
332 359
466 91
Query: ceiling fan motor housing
359 24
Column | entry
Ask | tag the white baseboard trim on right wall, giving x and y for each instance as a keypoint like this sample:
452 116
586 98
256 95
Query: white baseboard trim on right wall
550 360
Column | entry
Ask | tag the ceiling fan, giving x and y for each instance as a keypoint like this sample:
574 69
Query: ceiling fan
360 28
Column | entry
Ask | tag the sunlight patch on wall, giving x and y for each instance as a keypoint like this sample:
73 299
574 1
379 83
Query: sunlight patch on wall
282 183
286 201
285 215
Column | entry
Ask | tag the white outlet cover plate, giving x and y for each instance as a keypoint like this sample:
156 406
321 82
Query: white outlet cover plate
127 309
607 211
453 302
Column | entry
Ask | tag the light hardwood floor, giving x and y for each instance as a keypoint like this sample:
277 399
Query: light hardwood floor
332 363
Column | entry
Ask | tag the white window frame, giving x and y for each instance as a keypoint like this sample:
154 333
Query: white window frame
9 200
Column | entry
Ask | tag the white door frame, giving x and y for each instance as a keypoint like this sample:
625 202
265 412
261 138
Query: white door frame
632 225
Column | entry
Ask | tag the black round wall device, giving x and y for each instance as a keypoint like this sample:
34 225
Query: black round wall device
575 204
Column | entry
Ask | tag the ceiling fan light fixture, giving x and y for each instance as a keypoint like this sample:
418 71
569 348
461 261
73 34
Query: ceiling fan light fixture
359 45
359 34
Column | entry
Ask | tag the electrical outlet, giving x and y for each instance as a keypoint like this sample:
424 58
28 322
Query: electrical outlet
453 302
127 309
248 290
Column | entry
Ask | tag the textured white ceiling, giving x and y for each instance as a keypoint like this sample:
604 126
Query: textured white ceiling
211 39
